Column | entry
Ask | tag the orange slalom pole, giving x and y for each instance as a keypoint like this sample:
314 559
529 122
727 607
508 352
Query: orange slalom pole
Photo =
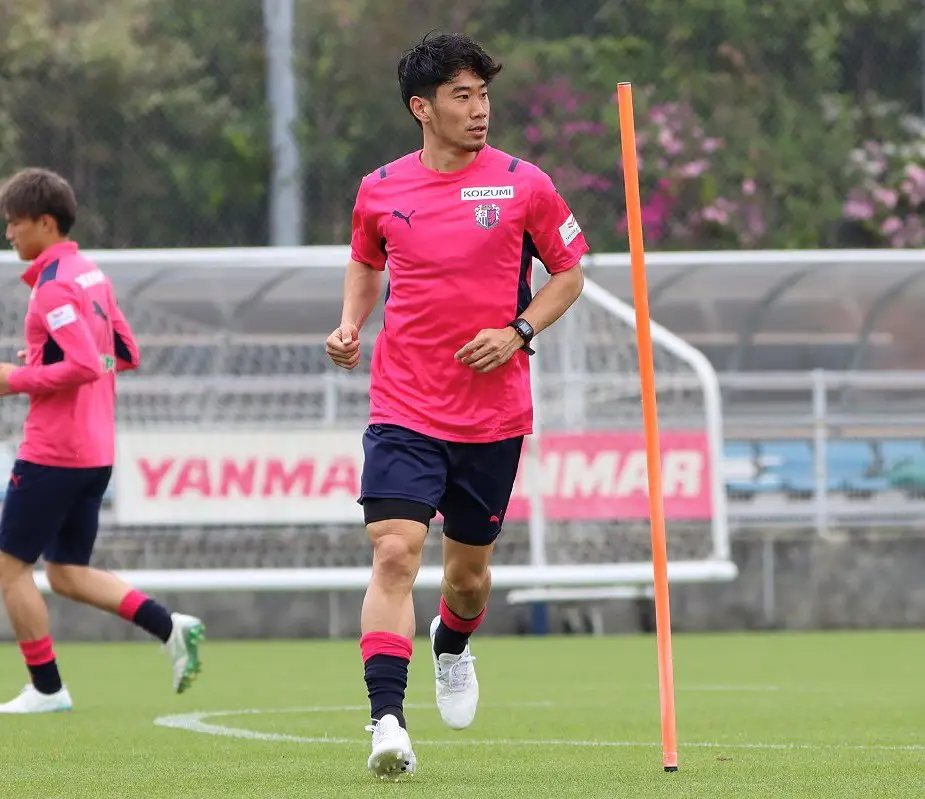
650 422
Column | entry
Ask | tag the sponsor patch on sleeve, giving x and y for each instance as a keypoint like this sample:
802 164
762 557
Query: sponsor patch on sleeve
61 316
569 229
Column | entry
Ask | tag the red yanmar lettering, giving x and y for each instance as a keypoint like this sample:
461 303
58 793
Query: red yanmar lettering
237 477
193 478
278 479
340 476
153 474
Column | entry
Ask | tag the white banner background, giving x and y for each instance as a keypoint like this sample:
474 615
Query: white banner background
311 477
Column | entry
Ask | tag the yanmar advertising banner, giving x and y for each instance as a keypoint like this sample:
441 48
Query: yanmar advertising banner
310 477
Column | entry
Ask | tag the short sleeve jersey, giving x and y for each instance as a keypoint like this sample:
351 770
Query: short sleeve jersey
459 248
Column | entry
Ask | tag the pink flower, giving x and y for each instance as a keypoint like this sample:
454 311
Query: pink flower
694 169
714 213
891 225
657 115
655 214
886 197
582 127
917 174
859 209
912 190
914 184
755 222
669 143
748 187
915 231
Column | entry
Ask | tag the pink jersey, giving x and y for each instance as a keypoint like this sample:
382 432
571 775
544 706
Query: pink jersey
76 339
459 247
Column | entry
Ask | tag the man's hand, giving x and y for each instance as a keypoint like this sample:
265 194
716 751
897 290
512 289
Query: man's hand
5 370
490 349
343 346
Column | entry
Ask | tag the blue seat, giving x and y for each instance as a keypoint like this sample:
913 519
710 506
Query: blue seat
745 474
904 464
792 463
738 467
852 469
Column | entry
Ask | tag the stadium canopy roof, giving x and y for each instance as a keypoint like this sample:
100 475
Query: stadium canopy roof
747 311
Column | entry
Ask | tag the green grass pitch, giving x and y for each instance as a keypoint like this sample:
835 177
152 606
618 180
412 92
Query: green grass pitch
759 715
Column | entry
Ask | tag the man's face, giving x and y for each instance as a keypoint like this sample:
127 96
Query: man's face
460 112
29 237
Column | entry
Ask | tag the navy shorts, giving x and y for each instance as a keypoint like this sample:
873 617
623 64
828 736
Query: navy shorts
470 484
52 511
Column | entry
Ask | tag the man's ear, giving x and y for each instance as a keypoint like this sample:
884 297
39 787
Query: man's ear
421 109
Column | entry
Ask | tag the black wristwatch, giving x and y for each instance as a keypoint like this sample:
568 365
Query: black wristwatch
525 331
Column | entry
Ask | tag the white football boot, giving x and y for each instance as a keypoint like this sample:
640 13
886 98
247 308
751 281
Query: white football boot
392 757
31 701
183 649
457 686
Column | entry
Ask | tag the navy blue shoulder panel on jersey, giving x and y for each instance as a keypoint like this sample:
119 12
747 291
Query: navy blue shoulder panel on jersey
49 273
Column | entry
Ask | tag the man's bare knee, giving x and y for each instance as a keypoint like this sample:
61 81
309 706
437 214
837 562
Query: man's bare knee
65 579
466 569
468 583
13 569
397 551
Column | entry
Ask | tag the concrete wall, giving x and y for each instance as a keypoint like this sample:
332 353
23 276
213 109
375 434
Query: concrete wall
787 581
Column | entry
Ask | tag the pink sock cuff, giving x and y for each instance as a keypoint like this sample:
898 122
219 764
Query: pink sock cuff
385 644
130 603
39 652
457 623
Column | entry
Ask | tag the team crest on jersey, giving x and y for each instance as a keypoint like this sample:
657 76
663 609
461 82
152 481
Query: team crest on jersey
487 215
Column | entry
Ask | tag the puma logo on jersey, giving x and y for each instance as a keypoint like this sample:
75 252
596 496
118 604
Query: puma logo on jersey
400 215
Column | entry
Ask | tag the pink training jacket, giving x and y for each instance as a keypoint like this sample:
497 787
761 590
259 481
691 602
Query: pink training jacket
77 338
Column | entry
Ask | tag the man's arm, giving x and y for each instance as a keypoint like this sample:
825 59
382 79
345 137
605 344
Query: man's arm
493 348
58 309
362 284
362 287
555 298
126 346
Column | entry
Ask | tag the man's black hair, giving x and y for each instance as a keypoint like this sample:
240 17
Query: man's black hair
437 60
32 193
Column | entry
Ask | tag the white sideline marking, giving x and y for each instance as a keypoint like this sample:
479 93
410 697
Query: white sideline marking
695 688
195 722
727 689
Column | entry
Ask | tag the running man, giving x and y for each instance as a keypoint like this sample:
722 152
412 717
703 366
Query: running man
76 340
459 223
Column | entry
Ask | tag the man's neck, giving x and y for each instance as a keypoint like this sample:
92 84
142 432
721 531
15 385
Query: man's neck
445 159
53 241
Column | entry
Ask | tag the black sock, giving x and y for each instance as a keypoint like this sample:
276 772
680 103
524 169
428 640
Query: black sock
43 667
386 680
45 677
155 619
450 641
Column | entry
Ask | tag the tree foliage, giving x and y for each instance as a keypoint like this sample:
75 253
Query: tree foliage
748 112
